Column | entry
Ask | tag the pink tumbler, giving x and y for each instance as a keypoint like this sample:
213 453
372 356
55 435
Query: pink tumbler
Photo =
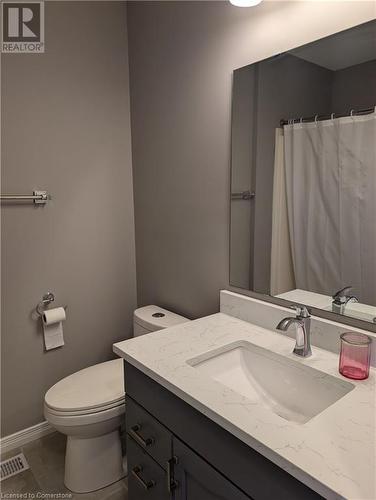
355 355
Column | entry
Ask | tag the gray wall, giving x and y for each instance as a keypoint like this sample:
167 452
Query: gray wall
182 55
354 87
66 129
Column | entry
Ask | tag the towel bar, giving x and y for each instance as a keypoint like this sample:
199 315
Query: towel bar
38 197
244 195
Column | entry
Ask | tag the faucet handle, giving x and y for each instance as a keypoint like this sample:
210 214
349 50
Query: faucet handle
342 293
301 311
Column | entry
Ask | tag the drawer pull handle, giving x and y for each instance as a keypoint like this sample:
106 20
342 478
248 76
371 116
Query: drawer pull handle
172 484
134 432
136 471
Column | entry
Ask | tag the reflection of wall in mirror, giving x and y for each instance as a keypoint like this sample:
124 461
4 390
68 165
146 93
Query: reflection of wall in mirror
242 213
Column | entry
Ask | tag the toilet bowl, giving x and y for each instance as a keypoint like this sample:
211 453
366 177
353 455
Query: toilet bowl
89 406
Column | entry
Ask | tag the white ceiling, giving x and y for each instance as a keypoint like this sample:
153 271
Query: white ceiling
345 49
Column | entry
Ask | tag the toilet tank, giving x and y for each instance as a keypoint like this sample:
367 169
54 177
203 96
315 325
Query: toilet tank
152 318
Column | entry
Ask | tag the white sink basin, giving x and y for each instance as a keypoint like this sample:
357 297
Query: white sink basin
292 390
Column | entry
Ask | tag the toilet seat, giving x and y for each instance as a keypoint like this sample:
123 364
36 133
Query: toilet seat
59 419
93 389
89 396
86 411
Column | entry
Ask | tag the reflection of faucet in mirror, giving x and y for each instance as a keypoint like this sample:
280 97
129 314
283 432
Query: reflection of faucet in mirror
303 332
341 299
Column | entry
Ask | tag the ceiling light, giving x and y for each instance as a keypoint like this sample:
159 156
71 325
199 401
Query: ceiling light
245 3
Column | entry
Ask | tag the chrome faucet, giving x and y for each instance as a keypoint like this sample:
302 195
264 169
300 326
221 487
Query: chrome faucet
341 299
303 331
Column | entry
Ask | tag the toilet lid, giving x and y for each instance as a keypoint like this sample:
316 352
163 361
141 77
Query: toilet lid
93 387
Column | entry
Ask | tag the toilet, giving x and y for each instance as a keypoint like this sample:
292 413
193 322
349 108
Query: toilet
88 407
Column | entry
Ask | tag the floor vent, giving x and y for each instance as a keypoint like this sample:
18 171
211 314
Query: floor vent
13 466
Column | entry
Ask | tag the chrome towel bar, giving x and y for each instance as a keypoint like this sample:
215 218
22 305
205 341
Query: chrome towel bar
244 195
38 197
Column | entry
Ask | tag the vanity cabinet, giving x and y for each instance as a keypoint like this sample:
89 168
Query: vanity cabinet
196 479
177 453
188 476
162 467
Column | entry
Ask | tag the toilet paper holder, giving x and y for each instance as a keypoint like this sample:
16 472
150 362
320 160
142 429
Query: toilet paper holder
47 299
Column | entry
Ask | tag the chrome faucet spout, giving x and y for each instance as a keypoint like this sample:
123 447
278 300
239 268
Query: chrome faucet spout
303 332
341 299
285 323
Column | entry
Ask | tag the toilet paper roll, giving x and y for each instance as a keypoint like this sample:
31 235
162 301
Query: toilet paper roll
53 327
54 315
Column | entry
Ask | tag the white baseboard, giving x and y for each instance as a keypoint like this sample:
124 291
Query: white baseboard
25 436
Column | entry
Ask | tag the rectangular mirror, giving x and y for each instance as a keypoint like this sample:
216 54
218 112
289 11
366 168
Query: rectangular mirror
303 176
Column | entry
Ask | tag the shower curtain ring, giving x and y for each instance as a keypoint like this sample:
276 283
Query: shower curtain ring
316 117
352 113
332 116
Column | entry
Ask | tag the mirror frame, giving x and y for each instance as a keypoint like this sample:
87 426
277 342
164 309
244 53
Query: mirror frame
321 313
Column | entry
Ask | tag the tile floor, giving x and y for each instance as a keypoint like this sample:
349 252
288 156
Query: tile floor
45 477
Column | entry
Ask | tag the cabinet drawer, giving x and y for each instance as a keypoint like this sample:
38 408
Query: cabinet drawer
152 436
146 479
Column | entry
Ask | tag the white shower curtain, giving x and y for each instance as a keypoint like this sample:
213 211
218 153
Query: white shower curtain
281 270
331 197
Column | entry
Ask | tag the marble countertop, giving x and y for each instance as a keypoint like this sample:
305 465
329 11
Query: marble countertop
333 453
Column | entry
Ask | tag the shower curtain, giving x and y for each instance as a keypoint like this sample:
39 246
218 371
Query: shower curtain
330 171
281 269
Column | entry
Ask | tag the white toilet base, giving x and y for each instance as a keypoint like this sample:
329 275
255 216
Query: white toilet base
93 463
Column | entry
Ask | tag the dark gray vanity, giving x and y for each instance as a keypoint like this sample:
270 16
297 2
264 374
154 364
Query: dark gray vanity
176 452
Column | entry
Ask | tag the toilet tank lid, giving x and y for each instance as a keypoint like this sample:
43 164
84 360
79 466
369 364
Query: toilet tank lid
156 318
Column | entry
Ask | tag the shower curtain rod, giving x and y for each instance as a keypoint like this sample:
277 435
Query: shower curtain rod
308 119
